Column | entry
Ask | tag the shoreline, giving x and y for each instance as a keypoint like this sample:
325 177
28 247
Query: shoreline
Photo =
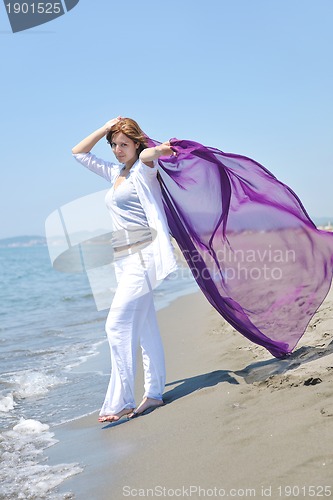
235 417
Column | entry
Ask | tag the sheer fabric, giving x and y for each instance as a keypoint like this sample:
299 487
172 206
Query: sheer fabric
251 246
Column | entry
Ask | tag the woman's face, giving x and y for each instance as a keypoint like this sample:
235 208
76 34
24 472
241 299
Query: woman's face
124 148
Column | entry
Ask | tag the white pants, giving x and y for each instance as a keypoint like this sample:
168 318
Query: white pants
132 321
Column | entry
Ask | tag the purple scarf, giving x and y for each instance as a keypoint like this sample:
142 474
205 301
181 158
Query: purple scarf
252 248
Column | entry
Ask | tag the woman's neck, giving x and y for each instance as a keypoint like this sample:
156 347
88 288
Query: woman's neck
130 163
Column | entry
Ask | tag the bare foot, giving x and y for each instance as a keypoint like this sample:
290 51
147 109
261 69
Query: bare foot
116 416
146 404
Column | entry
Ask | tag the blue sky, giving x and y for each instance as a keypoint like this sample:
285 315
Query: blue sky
253 77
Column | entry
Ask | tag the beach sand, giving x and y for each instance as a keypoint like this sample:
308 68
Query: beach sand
237 422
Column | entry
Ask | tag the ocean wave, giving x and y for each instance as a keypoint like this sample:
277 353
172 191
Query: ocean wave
91 352
68 298
30 383
76 297
22 475
7 403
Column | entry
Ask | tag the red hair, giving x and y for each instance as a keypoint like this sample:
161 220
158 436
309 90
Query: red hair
131 129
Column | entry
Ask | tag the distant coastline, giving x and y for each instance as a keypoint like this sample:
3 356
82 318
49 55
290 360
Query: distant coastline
325 223
23 241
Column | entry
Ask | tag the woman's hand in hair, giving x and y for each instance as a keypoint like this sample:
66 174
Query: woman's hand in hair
110 124
89 142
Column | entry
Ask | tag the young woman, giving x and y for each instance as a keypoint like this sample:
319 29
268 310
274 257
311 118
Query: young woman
143 257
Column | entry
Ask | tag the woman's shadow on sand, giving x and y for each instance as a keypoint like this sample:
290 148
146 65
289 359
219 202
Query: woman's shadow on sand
255 372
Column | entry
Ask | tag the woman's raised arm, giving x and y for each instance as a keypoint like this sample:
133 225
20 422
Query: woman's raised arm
86 145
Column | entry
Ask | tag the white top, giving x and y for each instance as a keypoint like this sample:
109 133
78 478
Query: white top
128 217
149 193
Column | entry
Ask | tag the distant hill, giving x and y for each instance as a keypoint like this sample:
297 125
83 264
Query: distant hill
23 241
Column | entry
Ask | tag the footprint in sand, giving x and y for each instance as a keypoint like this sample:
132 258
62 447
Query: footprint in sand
328 411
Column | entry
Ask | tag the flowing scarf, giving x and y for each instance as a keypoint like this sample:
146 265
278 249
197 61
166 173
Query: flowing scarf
252 248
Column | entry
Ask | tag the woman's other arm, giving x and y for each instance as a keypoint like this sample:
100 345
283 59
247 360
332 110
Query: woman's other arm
148 155
86 145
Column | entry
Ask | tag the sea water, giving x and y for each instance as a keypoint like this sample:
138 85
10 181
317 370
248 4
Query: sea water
50 330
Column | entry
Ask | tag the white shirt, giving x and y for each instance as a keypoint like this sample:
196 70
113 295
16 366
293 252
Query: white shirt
150 196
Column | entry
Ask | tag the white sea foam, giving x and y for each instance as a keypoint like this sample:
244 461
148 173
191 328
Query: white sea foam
30 383
23 474
7 403
30 427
